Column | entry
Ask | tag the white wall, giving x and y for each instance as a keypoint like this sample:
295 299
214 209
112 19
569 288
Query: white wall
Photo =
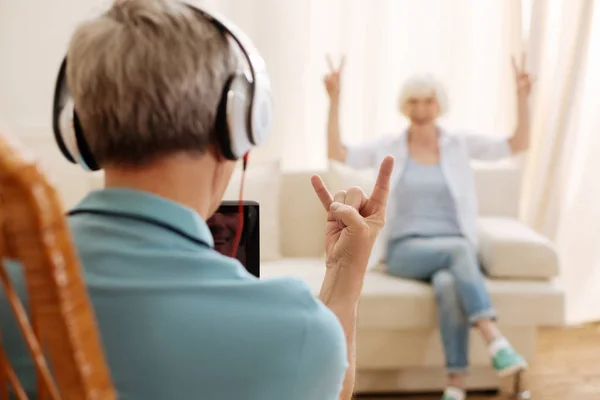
34 36
33 39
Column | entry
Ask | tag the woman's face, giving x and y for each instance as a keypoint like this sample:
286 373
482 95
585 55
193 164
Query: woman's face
223 228
422 110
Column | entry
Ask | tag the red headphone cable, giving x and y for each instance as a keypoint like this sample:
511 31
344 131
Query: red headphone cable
240 227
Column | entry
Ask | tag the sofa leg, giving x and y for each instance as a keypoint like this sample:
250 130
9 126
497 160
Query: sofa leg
518 390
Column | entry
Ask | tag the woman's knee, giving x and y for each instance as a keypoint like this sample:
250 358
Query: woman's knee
445 288
463 257
459 248
444 285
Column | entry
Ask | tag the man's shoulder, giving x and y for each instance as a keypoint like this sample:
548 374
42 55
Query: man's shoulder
320 348
289 291
322 332
295 302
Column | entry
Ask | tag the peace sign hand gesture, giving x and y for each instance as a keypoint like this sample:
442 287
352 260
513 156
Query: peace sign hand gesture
523 79
354 220
332 79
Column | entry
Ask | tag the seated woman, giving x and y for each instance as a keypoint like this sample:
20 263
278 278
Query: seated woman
432 212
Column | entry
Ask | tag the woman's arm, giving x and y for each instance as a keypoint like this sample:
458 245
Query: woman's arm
519 142
492 148
335 148
364 155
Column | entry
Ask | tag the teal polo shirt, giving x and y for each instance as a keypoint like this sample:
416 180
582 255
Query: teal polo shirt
180 321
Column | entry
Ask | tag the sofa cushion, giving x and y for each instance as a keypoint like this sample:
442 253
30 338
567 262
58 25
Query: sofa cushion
262 185
394 303
341 177
488 177
302 217
509 249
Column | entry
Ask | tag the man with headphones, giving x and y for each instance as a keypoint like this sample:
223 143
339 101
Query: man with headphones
151 92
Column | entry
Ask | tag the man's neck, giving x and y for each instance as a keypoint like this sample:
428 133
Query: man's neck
423 134
176 178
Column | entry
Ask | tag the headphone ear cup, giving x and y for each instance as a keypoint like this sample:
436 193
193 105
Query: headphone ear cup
63 131
86 154
239 99
67 128
221 126
232 122
62 117
261 116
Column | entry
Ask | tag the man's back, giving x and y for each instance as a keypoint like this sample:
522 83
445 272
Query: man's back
180 321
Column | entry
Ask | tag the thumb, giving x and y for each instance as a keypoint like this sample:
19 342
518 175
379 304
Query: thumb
348 215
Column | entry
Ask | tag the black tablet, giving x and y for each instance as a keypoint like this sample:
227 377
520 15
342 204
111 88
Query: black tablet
223 225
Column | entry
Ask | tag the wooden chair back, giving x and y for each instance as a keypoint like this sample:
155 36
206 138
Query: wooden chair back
61 323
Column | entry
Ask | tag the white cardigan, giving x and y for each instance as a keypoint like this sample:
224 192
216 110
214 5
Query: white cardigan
456 152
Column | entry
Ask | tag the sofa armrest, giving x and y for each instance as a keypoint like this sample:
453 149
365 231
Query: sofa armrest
510 249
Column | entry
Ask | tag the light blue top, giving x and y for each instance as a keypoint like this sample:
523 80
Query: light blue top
424 204
180 321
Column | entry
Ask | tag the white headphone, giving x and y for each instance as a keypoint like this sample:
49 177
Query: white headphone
243 119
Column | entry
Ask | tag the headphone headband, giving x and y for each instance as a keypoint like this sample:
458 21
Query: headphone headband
243 119
260 106
255 61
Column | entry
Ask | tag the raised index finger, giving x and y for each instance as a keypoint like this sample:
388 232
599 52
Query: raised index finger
381 190
342 63
321 191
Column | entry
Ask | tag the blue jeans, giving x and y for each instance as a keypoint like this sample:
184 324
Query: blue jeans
450 264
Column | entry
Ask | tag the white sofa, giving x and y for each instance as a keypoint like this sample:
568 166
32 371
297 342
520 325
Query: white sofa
398 342
399 348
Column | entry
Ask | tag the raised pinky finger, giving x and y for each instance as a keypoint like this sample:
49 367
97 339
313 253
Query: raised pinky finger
321 191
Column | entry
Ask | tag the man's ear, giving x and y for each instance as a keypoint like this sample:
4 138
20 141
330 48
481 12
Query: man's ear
215 151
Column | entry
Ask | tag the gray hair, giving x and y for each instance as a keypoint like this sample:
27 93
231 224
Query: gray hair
419 86
146 78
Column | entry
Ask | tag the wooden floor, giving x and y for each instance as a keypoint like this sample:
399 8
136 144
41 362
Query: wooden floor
567 367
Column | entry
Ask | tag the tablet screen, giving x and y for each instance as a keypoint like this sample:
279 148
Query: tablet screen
223 226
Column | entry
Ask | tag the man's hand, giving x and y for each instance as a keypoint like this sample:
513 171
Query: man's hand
522 77
332 79
354 220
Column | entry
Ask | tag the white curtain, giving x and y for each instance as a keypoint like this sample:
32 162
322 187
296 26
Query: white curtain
561 185
466 43
578 225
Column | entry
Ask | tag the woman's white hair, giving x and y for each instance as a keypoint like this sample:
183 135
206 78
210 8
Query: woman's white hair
418 86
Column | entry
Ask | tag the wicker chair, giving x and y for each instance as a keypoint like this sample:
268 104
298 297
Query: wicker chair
33 230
